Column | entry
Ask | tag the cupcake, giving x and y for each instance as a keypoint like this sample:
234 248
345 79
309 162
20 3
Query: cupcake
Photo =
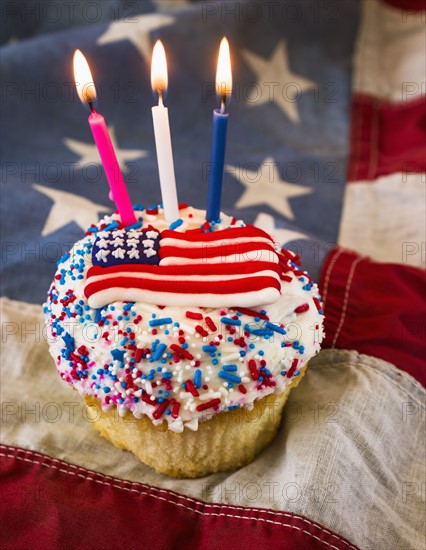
184 339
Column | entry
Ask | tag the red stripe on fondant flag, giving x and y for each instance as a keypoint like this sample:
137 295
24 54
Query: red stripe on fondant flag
47 503
375 308
386 137
234 286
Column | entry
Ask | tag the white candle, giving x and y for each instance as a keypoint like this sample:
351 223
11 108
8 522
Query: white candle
163 142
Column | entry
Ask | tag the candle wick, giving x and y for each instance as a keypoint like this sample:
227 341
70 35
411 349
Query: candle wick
222 104
160 97
90 102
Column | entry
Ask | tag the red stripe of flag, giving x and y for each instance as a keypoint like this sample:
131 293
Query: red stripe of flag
386 137
71 504
235 286
407 6
376 309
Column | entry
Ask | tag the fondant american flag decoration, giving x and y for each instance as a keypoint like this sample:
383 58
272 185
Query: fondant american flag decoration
221 268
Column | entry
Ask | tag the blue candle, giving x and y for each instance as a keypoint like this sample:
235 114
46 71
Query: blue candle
220 126
217 162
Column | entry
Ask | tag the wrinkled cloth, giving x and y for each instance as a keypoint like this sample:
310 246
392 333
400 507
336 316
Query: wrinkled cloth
350 453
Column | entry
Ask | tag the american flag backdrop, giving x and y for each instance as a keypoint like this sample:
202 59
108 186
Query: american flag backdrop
326 151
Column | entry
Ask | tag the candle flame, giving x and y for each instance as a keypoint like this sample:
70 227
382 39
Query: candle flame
83 78
224 73
159 79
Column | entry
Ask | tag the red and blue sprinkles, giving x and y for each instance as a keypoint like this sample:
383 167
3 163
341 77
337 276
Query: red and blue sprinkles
173 367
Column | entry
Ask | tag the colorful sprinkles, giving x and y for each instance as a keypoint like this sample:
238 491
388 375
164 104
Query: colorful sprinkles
175 366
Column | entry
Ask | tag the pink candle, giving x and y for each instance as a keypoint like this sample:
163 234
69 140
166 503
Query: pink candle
112 169
86 91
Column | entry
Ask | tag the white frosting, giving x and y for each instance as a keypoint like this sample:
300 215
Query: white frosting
160 375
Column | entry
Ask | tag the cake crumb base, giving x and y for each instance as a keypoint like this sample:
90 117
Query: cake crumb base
225 441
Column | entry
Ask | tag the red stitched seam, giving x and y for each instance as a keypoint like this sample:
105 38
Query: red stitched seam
330 266
355 262
374 141
113 482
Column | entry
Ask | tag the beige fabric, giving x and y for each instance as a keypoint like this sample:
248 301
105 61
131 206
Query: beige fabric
350 454
373 201
390 54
